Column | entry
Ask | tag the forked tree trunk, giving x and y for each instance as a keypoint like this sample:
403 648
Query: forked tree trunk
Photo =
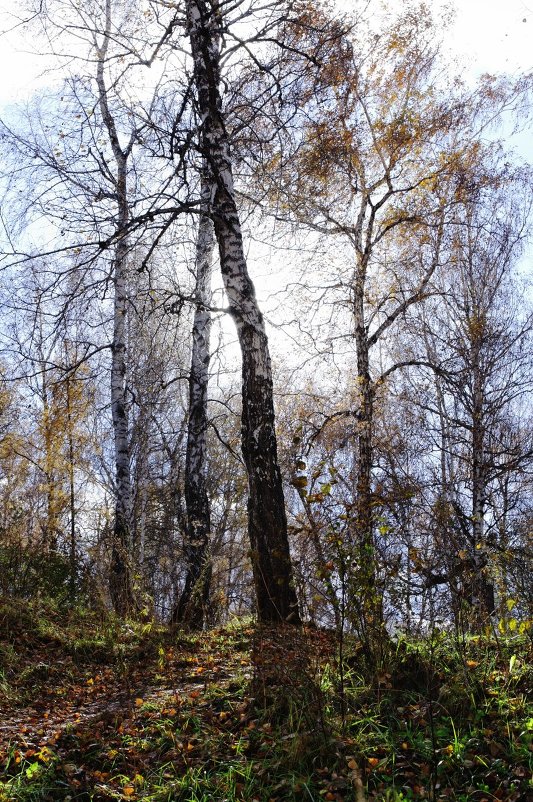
267 523
191 607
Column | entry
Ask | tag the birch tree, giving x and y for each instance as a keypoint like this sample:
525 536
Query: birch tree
267 526
379 158
120 581
479 338
81 154
194 598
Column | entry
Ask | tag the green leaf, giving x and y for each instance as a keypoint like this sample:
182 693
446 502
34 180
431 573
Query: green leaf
32 769
510 604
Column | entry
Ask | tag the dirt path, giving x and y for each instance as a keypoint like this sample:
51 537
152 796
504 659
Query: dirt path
67 694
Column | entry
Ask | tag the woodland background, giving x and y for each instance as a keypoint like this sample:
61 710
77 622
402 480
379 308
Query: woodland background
266 444
384 223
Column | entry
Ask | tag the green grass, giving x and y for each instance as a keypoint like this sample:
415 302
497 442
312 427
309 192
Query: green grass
237 715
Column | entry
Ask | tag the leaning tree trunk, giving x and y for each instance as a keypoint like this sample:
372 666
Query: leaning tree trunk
120 581
191 606
267 523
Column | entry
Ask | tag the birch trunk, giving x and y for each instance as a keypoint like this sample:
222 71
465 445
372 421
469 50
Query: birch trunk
120 581
267 523
191 606
366 595
51 526
72 492
482 590
364 439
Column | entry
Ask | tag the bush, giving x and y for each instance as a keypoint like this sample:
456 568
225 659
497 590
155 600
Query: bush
26 573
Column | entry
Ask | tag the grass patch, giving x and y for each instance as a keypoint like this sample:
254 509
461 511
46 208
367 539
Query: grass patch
237 714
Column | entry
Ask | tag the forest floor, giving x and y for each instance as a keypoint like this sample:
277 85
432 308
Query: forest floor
93 709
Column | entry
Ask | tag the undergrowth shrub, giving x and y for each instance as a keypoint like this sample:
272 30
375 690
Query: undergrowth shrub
27 573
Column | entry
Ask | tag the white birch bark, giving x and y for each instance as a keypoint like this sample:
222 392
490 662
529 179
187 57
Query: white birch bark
120 576
482 591
267 524
194 598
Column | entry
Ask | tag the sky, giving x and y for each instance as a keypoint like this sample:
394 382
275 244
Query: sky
494 35
487 36
490 35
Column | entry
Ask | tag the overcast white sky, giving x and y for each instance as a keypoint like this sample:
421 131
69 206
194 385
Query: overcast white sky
488 36
492 35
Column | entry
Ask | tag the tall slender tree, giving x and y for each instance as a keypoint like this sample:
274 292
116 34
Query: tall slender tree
193 600
120 579
267 526
375 159
479 338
